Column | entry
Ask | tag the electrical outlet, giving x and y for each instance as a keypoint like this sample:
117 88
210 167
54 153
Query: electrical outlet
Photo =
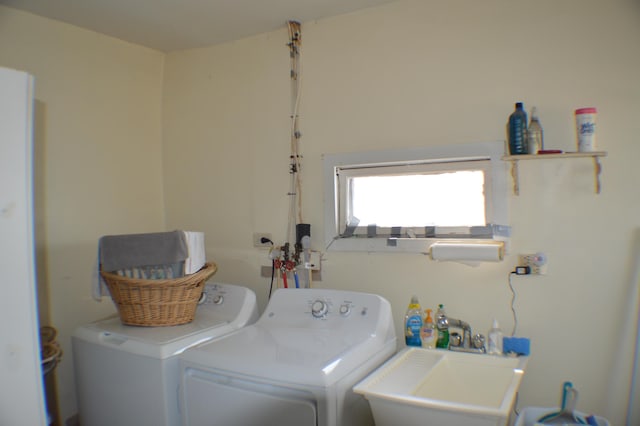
537 263
257 239
314 261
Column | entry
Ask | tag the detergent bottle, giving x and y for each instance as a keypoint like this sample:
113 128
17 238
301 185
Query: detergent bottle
428 335
518 131
442 322
413 323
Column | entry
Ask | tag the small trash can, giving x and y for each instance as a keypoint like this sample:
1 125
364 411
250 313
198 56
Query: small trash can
529 415
50 356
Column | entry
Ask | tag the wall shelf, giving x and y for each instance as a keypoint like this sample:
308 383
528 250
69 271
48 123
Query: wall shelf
515 159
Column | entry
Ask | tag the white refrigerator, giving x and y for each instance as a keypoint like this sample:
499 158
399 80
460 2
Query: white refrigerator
21 388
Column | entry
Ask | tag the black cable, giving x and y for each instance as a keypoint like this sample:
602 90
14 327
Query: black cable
265 240
513 299
273 271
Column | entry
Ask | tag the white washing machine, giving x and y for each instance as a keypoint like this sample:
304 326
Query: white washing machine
127 375
295 366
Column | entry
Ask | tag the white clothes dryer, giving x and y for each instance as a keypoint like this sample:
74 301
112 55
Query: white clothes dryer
128 375
296 365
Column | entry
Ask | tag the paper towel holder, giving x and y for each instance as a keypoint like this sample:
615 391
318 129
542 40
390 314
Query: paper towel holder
467 251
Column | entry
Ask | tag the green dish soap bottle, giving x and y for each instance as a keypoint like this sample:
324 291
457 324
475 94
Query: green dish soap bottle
413 323
442 323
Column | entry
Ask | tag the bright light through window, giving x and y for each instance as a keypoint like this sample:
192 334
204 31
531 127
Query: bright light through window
443 199
404 199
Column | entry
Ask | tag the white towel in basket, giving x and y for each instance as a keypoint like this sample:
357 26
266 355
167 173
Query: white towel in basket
197 258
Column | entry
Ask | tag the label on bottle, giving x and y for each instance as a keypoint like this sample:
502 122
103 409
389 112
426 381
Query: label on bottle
586 129
428 336
518 133
443 338
412 331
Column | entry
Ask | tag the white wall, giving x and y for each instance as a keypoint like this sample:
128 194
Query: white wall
97 159
416 73
410 73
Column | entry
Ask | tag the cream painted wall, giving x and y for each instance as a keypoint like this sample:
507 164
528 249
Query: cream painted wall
407 74
97 159
416 73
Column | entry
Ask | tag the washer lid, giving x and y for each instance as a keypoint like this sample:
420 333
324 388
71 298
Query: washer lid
216 317
312 337
318 357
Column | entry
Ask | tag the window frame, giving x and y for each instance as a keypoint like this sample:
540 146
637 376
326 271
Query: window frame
436 157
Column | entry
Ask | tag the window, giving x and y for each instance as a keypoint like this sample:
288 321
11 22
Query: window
404 200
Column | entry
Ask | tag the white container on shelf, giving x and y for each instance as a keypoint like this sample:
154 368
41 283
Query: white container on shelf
586 129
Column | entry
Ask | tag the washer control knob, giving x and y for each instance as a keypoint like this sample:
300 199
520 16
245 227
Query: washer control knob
319 309
218 299
345 309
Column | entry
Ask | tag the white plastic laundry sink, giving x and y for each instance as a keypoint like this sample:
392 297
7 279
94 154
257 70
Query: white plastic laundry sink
439 387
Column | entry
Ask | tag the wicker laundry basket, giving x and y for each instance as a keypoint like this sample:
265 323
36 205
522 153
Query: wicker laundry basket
152 303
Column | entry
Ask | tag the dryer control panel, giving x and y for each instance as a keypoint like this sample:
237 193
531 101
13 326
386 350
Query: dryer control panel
213 294
227 301
325 306
346 313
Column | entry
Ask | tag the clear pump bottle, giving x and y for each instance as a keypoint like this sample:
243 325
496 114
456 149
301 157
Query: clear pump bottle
494 345
429 335
535 139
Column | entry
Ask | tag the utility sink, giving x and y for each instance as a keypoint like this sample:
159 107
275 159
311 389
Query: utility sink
429 387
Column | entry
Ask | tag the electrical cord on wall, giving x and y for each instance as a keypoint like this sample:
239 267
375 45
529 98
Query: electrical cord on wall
513 299
265 240
273 273
295 186
520 270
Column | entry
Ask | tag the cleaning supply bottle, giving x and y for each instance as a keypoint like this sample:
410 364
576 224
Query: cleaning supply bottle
494 345
429 335
413 323
518 131
442 323
535 140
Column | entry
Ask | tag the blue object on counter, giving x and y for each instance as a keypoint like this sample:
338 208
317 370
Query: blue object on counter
591 420
518 345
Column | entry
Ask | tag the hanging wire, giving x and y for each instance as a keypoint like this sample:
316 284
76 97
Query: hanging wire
513 309
295 187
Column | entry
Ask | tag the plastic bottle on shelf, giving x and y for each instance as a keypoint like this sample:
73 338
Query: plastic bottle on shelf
518 131
535 139
442 323
494 345
413 323
429 335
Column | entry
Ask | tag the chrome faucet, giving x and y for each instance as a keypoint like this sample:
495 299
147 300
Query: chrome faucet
466 343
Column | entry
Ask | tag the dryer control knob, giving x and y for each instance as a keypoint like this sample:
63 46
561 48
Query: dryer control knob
345 309
319 309
218 299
